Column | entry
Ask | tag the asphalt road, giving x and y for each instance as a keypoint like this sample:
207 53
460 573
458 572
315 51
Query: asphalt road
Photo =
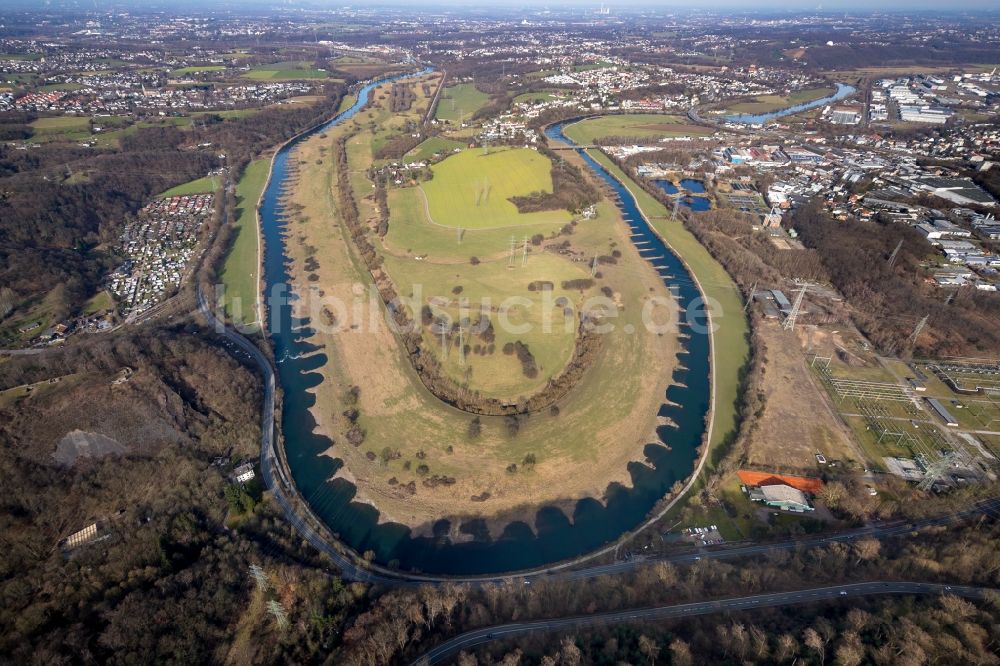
281 488
354 569
505 631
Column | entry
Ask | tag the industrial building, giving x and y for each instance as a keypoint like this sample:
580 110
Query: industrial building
782 497
940 410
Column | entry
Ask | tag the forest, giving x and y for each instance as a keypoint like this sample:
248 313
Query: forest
62 206
887 301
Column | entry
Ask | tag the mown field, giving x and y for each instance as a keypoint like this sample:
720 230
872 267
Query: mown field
644 125
286 71
61 128
460 102
471 189
240 272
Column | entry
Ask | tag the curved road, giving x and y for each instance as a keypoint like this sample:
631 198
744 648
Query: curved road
355 569
503 631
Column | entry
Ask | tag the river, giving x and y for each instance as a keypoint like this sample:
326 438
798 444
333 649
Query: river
843 90
553 536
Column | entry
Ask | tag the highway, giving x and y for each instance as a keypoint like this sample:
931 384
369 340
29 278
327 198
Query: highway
505 631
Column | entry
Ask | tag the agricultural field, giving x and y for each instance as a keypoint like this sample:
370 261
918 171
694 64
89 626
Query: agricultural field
240 272
460 102
471 189
286 71
411 233
644 125
573 452
768 103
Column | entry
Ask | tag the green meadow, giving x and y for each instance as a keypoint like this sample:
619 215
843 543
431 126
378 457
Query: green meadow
460 102
240 272
431 147
203 185
471 189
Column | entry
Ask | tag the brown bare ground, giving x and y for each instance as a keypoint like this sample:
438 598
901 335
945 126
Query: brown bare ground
798 420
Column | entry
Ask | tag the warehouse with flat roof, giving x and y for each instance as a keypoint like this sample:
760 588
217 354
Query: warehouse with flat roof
940 410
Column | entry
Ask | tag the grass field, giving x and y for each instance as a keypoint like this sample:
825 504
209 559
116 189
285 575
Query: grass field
61 128
731 348
54 87
768 103
498 375
240 272
460 102
578 452
100 302
645 125
286 71
471 189
411 233
347 102
431 147
204 185
61 124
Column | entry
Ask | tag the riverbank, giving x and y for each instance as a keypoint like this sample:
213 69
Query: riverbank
843 91
730 348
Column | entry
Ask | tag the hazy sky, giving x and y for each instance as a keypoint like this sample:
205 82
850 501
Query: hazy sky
622 6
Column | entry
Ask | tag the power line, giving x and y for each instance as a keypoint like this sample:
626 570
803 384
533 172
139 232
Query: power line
895 253
789 324
912 340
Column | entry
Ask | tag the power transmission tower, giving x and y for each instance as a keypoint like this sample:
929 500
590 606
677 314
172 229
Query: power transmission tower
789 324
895 253
936 470
278 611
510 257
826 366
753 290
461 344
261 577
912 340
593 267
524 253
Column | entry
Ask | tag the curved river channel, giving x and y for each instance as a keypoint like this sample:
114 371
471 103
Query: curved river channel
553 536
843 90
